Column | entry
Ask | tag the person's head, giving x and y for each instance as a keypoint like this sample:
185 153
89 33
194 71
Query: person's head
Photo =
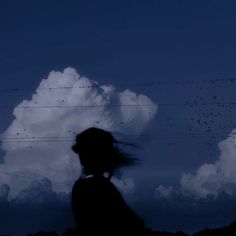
98 152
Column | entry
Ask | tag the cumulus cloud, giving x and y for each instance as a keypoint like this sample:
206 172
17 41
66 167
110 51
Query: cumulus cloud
214 178
37 143
4 191
162 192
210 179
35 208
125 185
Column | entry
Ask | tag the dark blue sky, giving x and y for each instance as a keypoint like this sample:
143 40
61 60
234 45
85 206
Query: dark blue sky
127 42
118 40
122 42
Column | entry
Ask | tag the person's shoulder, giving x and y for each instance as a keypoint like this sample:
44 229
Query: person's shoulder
100 187
93 182
80 183
99 180
82 187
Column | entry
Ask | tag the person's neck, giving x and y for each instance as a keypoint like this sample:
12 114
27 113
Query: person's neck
88 174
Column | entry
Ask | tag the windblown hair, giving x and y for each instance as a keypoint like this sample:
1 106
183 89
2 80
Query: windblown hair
98 151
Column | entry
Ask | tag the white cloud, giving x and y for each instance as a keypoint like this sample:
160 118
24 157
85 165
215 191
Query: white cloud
217 177
52 158
4 191
125 185
163 192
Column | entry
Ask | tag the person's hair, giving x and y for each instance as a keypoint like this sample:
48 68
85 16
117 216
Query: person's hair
98 151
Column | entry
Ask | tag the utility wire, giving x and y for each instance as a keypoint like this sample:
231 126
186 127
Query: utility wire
143 84
190 104
76 106
29 177
71 138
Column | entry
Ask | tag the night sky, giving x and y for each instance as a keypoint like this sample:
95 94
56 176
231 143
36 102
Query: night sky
180 55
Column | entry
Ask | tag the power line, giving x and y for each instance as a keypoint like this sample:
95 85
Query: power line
24 141
30 177
47 88
40 137
190 104
76 106
143 84
71 138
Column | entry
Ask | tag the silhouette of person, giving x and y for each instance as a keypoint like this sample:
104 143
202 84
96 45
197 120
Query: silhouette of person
98 207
